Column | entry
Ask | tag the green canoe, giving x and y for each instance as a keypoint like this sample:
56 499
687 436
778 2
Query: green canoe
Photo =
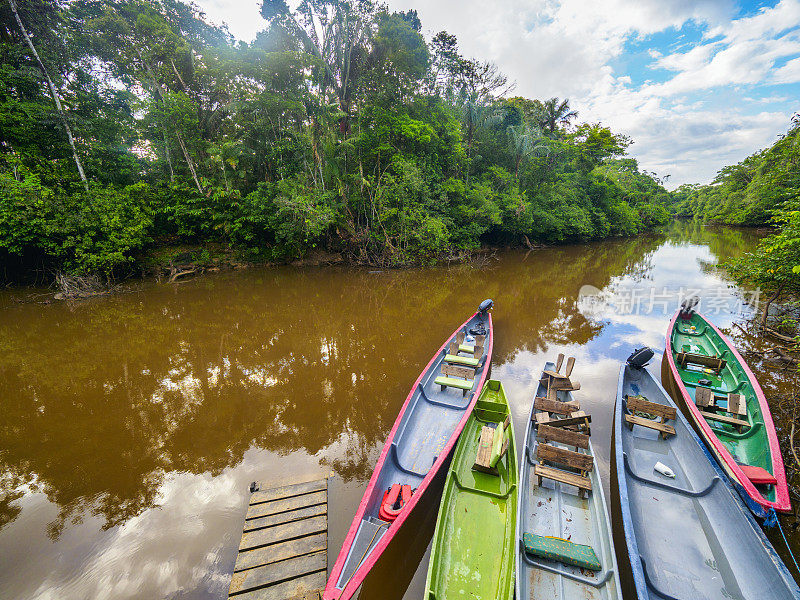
703 371
473 547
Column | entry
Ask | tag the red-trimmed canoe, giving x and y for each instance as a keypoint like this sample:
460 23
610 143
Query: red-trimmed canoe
703 370
425 431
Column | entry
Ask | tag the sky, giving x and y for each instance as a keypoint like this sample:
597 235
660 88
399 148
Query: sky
697 84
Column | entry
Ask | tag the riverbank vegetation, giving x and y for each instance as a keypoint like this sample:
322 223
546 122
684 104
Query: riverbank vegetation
763 189
132 125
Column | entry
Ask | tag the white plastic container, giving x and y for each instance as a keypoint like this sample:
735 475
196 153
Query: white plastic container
664 470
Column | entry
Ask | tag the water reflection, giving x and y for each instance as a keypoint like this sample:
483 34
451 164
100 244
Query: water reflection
133 423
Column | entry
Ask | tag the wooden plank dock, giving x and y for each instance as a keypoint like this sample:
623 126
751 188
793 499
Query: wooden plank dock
283 554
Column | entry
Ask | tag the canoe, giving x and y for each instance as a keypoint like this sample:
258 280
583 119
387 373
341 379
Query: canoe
472 555
740 430
689 536
418 444
556 510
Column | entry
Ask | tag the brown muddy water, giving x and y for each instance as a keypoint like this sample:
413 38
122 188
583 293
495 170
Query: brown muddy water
131 425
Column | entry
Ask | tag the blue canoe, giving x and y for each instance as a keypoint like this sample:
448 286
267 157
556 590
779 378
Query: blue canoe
688 537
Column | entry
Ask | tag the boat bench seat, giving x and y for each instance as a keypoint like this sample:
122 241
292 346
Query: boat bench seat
738 424
706 399
492 445
563 551
555 380
583 463
583 484
758 475
476 348
662 412
548 433
456 377
462 384
691 358
576 421
467 361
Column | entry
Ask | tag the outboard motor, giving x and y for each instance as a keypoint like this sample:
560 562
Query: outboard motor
486 306
687 307
640 357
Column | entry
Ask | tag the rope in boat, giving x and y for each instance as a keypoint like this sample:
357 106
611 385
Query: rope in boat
360 560
772 521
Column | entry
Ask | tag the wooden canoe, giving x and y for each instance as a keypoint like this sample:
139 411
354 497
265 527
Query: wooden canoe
746 444
556 509
417 446
690 536
472 555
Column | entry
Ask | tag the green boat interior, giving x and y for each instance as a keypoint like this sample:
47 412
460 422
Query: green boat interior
480 512
722 392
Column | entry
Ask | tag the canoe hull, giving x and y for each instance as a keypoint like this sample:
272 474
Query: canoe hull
473 546
677 388
557 511
424 433
691 536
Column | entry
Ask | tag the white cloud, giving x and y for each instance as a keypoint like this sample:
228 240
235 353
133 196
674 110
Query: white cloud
788 73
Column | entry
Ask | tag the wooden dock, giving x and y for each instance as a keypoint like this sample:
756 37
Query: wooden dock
283 554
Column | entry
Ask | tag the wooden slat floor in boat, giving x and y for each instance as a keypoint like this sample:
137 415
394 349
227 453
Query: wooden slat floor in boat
283 554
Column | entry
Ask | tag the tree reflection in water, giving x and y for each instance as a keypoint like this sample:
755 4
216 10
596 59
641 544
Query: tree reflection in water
106 401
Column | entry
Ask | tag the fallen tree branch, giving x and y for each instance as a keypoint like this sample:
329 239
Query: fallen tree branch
780 336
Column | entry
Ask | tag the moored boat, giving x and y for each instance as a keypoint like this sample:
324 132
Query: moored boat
426 429
704 373
688 534
472 555
564 548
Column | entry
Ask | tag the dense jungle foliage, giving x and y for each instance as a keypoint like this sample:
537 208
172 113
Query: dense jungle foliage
750 192
128 125
763 189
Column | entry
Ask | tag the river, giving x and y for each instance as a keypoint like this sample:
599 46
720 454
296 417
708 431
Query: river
132 424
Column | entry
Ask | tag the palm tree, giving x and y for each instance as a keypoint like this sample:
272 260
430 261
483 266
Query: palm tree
524 141
555 113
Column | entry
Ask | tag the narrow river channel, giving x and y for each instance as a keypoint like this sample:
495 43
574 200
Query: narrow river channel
132 424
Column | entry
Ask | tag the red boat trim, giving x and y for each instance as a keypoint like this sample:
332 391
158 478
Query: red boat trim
782 502
331 593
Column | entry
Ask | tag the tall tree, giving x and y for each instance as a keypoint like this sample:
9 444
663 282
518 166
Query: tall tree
555 112
53 91
336 32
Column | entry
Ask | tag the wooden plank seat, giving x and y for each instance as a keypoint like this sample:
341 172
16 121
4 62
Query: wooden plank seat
737 405
466 361
706 399
738 424
555 380
556 406
473 348
548 433
577 421
583 463
691 358
492 445
454 376
584 484
703 397
660 411
453 356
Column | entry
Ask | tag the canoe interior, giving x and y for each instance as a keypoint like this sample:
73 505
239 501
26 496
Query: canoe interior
555 509
688 537
430 419
473 546
750 447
